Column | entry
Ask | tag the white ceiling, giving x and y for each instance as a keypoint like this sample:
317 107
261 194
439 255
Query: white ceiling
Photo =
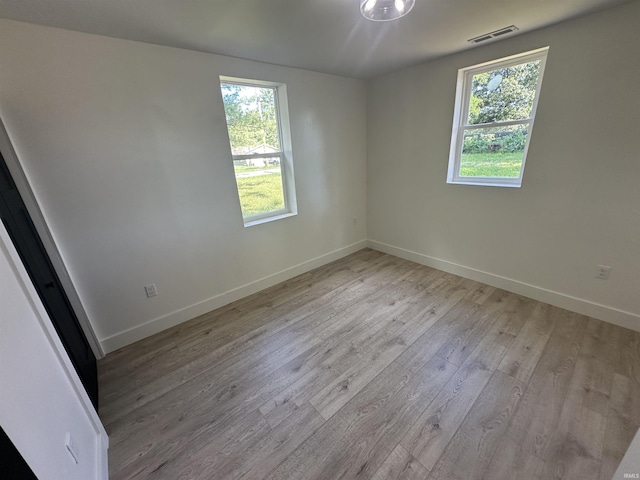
322 35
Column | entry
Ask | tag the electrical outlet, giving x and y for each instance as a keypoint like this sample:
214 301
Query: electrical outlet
151 290
603 272
354 220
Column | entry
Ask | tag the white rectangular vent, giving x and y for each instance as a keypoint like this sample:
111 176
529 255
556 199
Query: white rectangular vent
496 34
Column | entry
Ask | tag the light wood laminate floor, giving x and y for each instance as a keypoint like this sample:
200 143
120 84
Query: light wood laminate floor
373 367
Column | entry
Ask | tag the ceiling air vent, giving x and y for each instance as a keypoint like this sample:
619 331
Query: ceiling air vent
496 34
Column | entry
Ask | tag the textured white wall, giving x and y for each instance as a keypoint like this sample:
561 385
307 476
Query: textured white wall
125 147
41 397
579 205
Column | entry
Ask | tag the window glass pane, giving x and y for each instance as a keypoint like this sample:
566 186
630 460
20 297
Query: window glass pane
503 94
259 185
251 118
493 151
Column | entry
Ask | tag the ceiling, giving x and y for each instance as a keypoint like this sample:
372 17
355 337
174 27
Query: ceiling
322 35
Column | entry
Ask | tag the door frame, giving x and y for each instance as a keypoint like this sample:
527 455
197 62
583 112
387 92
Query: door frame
17 412
24 188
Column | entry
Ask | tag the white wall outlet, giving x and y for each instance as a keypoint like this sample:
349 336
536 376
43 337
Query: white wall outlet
354 220
72 448
151 290
603 272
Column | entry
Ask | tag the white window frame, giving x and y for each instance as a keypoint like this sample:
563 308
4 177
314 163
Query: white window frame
285 154
461 116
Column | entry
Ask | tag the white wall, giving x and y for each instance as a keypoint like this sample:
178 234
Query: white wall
630 463
125 147
579 205
41 397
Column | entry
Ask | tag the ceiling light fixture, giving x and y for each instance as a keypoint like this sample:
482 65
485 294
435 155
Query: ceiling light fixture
384 10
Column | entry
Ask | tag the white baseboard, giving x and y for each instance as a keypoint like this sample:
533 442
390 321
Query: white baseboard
579 305
129 336
585 307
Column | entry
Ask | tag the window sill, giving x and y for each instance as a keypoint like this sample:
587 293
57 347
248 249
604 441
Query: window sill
260 221
484 184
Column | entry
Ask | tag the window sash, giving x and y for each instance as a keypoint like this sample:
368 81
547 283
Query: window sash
262 216
484 126
259 155
506 123
494 181
276 100
272 213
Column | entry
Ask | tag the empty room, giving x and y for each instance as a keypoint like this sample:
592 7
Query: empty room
319 239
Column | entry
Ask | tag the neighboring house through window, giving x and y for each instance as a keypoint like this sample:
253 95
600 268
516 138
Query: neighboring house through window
493 120
259 135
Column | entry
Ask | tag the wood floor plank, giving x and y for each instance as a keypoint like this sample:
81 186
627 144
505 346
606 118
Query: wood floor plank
602 341
445 378
460 316
269 452
568 324
181 409
467 337
400 465
224 357
421 277
536 418
380 303
510 461
523 356
356 441
453 319
190 428
118 382
359 339
591 384
575 450
346 347
164 461
432 431
478 292
481 431
513 318
266 447
623 421
628 354
393 340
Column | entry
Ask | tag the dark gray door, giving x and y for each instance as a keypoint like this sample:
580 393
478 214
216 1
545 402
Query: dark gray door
24 236
12 465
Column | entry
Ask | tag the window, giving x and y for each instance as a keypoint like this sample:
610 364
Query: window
493 120
258 127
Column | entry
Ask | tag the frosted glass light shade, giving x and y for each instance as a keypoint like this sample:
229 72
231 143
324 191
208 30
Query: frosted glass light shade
384 10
